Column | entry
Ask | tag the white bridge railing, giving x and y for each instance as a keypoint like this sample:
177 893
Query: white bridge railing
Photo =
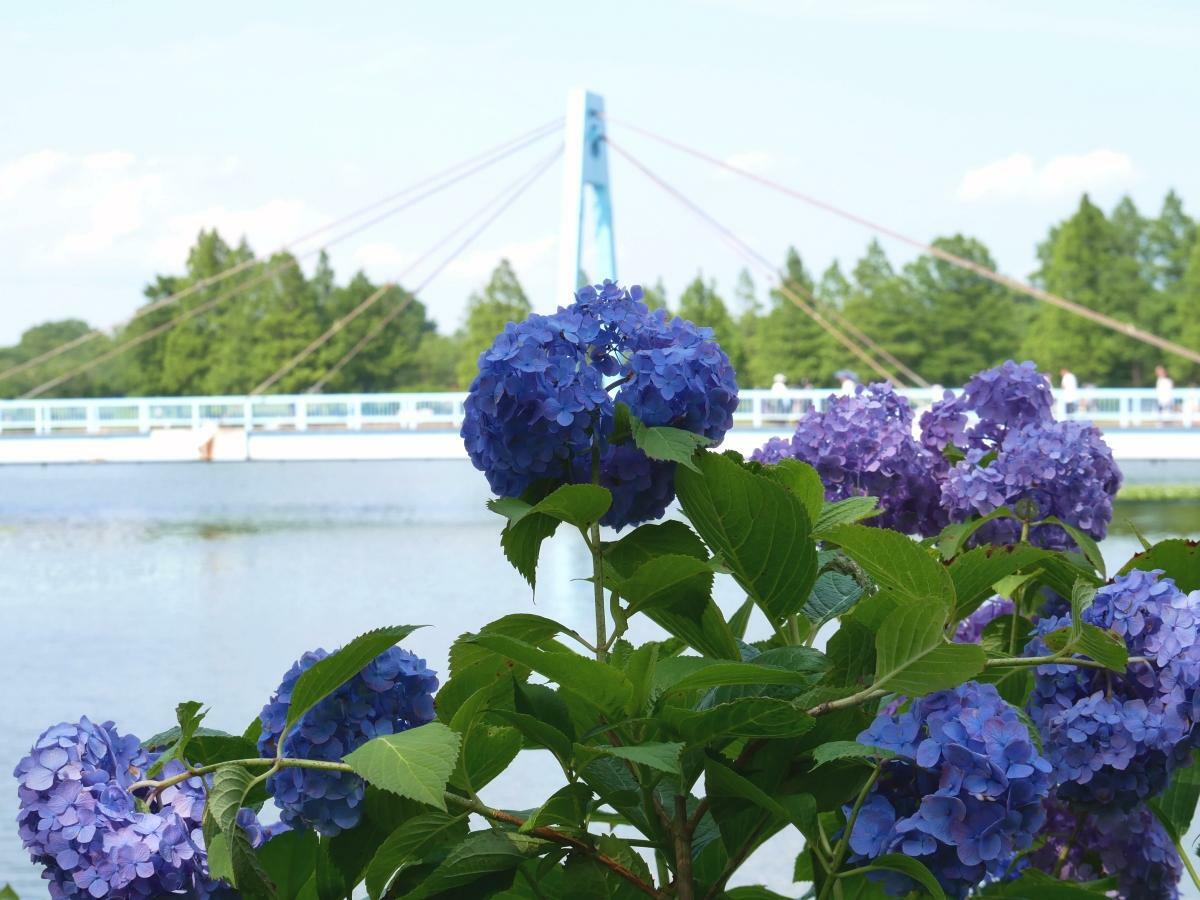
1107 407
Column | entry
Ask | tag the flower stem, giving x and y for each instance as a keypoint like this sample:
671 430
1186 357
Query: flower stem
1183 854
598 594
843 844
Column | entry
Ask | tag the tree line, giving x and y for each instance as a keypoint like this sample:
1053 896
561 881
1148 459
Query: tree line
939 320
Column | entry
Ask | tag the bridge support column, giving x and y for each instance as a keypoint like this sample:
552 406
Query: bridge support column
587 197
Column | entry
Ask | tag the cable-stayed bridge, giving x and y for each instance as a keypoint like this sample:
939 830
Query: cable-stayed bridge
314 425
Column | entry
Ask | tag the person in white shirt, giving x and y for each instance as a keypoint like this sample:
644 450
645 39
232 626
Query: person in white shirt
779 384
1069 390
1164 392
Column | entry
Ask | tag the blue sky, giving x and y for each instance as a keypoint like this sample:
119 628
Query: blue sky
124 128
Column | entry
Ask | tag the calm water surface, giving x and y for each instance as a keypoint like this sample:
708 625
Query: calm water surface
127 588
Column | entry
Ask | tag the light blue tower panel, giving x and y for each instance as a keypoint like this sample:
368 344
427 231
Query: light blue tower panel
587 197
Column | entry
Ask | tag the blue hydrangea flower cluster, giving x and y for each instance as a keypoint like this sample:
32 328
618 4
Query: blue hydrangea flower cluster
542 398
1017 456
1114 739
1132 847
970 629
79 819
964 793
863 444
392 693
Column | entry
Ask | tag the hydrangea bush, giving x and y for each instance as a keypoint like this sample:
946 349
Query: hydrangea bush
931 680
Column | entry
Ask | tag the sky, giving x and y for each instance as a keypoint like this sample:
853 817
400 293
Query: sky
127 127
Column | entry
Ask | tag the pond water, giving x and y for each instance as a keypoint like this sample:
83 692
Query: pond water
125 589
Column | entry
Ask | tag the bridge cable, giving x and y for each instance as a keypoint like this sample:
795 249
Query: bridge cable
383 323
754 257
474 164
1126 328
386 288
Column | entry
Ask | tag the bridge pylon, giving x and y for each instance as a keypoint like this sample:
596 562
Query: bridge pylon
587 198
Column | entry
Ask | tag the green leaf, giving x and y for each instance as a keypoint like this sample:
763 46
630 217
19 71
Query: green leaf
481 854
751 717
189 716
912 656
7 893
674 582
622 428
231 857
706 632
954 537
566 806
290 859
1006 635
753 892
914 869
898 564
576 504
227 796
1086 543
415 763
330 673
603 686
845 512
1176 806
512 508
975 572
540 734
1178 558
832 594
667 444
835 750
720 778
411 843
716 674
802 480
487 751
663 756
760 530
648 541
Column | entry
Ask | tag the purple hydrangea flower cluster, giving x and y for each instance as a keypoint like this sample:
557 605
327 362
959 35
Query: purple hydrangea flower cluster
963 794
1002 399
1114 738
970 629
392 693
1132 847
540 402
1017 456
863 444
1063 469
80 821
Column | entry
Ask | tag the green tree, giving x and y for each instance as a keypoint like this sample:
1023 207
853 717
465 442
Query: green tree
882 304
969 323
47 337
1186 301
501 301
787 341
834 288
1089 263
655 297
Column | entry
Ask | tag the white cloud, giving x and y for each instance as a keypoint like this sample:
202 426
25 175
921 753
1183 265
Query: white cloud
29 171
524 255
756 161
267 227
1020 177
384 260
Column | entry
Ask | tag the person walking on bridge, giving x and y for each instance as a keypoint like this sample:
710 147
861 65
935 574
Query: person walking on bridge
1068 387
1164 393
